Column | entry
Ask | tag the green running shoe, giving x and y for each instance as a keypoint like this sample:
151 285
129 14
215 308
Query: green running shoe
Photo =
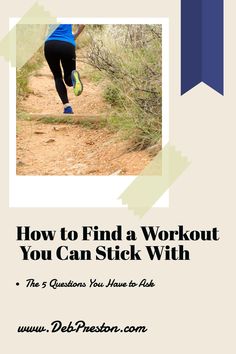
77 83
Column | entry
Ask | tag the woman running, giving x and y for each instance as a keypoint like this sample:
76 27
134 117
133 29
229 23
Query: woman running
59 49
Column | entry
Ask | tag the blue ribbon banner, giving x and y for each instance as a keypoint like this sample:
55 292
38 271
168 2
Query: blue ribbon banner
202 44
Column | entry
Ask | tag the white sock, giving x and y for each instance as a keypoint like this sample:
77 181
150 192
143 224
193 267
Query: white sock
67 105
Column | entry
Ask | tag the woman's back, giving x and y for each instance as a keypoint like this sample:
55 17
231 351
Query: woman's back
62 33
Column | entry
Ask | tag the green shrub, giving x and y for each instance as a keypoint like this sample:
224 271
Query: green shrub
130 57
23 74
113 95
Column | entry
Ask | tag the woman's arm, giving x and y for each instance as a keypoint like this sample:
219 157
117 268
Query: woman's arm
78 31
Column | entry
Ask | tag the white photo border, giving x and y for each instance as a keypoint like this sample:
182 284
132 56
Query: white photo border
81 191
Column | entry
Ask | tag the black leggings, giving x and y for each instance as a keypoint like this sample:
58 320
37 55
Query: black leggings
56 53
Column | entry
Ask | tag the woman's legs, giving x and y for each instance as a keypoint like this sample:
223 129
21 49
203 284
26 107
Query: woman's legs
71 76
68 61
56 52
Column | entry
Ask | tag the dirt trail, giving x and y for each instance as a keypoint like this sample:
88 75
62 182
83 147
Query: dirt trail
67 149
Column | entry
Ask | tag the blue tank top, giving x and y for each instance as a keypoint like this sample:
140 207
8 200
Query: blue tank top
61 33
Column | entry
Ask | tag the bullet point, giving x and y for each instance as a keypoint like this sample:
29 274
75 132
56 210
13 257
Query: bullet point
17 284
